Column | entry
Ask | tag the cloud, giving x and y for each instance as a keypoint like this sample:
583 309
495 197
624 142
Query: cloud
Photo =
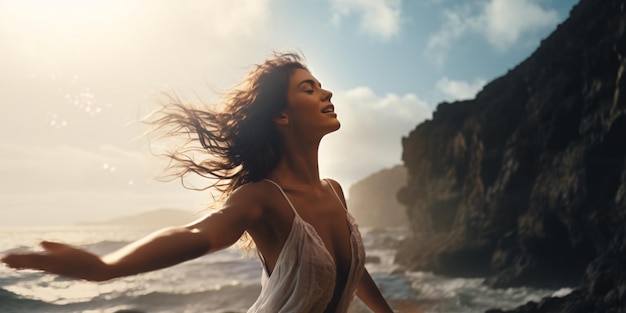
507 20
456 23
501 22
459 90
379 18
371 132
224 18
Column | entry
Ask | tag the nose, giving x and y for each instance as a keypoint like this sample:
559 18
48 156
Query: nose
327 95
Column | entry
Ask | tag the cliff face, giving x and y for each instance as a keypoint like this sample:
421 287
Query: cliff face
373 200
526 184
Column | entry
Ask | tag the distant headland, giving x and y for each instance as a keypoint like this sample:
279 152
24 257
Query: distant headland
155 218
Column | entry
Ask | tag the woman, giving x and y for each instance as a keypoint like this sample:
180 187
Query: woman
262 149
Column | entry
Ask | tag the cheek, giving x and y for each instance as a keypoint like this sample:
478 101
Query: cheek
303 109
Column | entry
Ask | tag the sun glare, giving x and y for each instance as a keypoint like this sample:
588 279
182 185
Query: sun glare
62 16
62 26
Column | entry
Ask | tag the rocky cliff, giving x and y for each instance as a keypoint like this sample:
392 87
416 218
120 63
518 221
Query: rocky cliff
373 200
526 184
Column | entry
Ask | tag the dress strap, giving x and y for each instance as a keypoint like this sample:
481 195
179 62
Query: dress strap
335 192
284 195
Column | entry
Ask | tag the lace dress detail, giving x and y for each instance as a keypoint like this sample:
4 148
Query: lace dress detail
303 280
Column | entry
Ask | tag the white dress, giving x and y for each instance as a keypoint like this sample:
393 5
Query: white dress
303 280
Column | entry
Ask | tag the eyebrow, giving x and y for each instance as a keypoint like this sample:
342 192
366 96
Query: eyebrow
309 81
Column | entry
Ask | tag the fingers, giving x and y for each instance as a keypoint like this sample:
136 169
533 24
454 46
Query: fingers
34 260
12 260
57 258
22 261
51 245
7 260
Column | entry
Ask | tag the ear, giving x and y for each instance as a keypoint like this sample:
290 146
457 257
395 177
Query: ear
282 119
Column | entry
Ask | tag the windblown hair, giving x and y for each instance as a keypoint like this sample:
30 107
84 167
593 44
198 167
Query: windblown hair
237 144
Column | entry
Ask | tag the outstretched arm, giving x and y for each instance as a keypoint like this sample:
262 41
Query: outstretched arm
158 250
369 293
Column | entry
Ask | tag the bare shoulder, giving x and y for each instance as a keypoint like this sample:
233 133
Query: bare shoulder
253 191
253 196
246 191
337 188
336 185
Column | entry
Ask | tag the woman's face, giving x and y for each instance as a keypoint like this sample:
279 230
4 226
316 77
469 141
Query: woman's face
309 108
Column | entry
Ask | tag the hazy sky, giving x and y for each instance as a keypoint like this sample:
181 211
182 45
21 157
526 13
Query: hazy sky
75 76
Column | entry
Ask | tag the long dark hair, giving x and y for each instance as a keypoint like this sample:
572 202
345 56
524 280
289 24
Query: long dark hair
237 144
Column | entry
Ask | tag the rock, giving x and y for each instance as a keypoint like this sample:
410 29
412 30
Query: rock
373 202
526 184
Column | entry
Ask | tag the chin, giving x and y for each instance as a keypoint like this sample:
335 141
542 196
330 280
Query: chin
335 128
332 129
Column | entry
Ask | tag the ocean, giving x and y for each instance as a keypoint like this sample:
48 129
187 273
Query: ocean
227 281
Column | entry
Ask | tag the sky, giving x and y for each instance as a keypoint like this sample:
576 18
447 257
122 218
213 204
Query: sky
77 77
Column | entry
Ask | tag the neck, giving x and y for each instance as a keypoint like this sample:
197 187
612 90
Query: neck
298 165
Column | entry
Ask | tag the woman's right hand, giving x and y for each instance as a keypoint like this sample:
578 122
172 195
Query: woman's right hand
61 259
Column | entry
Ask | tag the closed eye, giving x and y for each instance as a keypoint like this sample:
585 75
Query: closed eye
309 86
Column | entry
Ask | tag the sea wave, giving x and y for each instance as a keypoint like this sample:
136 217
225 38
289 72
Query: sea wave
226 281
235 298
13 303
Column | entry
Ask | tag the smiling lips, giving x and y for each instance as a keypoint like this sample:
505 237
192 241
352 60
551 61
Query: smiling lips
329 109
